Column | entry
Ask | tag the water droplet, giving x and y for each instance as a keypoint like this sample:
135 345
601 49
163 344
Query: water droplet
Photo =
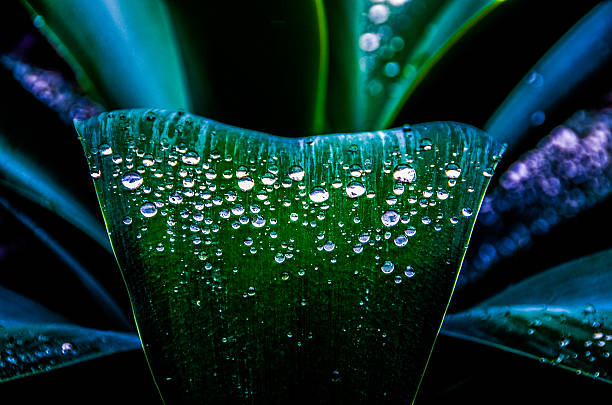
268 179
258 221
148 209
387 267
147 160
426 144
538 118
453 171
409 272
369 42
296 173
191 158
392 69
329 246
246 183
466 212
279 258
404 173
127 220
318 194
442 194
175 198
131 180
378 13
105 149
410 231
390 218
355 189
400 241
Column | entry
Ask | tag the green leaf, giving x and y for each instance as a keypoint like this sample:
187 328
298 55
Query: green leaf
95 289
259 265
561 317
388 49
123 52
268 60
580 53
20 174
34 340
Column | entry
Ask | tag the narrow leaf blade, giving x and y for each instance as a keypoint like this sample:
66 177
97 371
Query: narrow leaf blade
35 340
117 49
584 50
561 316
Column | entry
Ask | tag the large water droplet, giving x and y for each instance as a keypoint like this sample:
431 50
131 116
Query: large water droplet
355 189
453 170
387 267
296 173
404 173
246 183
191 158
318 194
131 180
148 209
390 218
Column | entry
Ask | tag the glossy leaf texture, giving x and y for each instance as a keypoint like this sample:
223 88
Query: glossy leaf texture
34 339
117 49
24 176
272 269
581 53
384 49
561 317
268 60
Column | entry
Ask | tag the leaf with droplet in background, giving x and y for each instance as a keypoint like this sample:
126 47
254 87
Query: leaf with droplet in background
577 56
265 267
384 50
117 49
34 339
561 316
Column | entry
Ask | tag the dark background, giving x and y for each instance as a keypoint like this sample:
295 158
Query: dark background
467 86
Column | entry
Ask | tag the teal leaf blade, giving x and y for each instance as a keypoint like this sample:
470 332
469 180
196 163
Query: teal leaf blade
388 49
20 174
284 263
117 49
35 340
94 288
583 51
560 316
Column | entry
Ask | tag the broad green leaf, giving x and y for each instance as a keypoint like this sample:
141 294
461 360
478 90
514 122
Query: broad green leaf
281 269
268 60
584 50
35 340
123 52
20 174
95 289
561 317
388 49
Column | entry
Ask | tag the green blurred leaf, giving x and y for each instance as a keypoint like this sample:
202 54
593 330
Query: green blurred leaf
20 174
268 60
561 316
123 52
583 51
35 340
258 264
385 49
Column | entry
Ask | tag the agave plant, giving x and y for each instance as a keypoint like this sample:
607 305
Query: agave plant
299 266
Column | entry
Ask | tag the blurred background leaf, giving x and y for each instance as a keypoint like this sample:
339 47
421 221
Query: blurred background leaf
124 53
